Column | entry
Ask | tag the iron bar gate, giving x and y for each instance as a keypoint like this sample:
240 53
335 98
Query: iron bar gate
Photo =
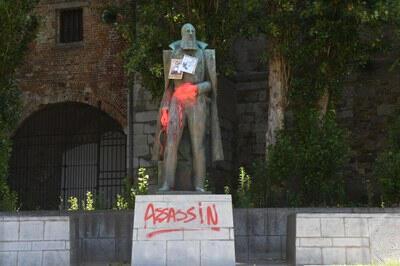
66 150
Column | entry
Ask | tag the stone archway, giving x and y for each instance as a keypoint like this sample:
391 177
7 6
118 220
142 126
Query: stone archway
66 149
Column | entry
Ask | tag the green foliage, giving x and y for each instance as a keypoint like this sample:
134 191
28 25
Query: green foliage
73 204
321 41
88 204
159 23
387 168
122 204
307 161
127 201
17 30
243 193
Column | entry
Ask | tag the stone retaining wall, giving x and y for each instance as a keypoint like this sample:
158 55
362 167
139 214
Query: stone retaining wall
104 237
34 240
343 238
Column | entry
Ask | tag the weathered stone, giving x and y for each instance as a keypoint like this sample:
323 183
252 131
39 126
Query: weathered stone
332 227
333 256
56 230
308 227
315 242
274 247
141 150
308 256
256 221
9 231
33 230
358 256
138 128
356 227
242 248
9 258
149 253
15 246
51 258
146 116
99 249
31 258
150 129
240 219
140 140
48 245
350 242
183 253
216 253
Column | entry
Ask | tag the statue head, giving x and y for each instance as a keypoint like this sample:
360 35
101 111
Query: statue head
188 37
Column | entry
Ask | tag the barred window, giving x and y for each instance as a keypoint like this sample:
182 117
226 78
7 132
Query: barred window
71 25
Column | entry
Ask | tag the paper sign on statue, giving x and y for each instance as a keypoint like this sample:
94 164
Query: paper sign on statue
174 70
188 64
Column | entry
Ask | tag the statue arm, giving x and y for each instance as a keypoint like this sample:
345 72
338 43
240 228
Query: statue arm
204 87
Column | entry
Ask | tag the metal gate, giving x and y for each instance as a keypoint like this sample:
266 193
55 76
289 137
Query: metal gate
66 150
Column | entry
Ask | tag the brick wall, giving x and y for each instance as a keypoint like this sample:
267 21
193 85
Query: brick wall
89 72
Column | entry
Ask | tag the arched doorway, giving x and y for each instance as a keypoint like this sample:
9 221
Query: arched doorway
64 150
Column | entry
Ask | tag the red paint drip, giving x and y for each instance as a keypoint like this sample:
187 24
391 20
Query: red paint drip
186 95
164 118
163 231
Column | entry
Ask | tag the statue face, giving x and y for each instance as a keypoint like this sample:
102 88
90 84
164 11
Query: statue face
188 37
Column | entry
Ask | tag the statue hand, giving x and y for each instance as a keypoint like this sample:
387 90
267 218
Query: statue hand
164 118
186 93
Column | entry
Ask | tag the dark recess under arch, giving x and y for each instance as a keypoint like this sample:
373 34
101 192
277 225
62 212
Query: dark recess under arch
67 149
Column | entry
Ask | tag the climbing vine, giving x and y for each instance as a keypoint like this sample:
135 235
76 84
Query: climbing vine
16 31
316 45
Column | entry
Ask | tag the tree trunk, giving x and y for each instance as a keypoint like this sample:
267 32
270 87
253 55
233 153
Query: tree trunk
278 87
323 104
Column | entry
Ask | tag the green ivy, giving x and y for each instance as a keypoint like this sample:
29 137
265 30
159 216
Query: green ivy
306 164
387 168
17 30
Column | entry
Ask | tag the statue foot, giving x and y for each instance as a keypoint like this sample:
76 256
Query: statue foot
199 189
164 188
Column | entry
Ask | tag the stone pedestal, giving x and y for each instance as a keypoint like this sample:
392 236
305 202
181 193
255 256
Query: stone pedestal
183 230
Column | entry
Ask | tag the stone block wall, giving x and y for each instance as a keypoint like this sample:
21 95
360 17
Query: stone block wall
252 114
370 100
261 234
105 237
34 240
343 238
101 237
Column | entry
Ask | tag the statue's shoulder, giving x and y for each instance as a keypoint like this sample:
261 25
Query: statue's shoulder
177 45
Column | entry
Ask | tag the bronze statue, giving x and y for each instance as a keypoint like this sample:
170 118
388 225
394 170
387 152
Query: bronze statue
190 88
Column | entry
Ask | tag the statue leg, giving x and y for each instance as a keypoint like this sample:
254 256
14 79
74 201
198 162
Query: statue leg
197 116
174 135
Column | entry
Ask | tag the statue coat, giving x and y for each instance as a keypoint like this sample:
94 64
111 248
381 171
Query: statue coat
216 142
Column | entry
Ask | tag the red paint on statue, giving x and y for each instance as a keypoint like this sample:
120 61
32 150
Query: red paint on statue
185 94
164 118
